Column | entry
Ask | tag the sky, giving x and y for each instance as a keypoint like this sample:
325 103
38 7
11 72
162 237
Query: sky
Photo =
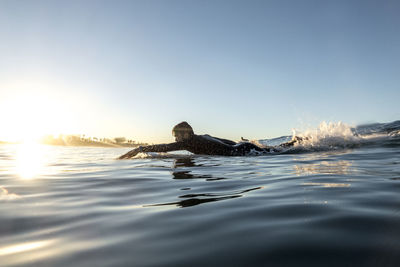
255 69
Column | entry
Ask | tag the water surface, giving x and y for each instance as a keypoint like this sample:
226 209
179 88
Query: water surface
69 206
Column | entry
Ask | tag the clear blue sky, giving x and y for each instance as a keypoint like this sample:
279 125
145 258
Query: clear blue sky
230 68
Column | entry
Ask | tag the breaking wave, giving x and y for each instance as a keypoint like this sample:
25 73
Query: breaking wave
338 135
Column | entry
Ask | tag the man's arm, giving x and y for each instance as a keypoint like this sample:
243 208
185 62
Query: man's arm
154 148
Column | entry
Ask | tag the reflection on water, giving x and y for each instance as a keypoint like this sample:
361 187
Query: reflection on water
30 160
191 202
22 248
183 169
327 184
181 166
323 167
185 162
197 199
26 253
188 175
5 195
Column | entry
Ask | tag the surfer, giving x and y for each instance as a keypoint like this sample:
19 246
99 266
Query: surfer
204 144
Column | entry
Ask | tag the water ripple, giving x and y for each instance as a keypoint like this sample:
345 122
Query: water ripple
327 208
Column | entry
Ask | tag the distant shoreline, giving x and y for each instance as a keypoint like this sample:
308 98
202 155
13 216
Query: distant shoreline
78 145
77 141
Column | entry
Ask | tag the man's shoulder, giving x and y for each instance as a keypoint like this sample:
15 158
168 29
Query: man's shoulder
215 140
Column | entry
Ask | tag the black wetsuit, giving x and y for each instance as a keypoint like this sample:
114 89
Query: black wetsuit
205 145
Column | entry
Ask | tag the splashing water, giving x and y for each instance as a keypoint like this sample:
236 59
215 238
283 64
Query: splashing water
328 136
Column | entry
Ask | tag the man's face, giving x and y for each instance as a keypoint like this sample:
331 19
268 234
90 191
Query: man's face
180 136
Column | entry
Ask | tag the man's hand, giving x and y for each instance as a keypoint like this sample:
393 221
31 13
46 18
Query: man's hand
132 153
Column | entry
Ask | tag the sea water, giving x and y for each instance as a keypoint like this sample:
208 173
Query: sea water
332 201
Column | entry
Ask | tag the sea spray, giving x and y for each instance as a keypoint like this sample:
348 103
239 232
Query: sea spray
329 135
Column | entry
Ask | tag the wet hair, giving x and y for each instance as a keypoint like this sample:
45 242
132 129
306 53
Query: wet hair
183 127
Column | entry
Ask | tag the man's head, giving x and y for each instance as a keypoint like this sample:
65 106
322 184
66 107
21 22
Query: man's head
182 131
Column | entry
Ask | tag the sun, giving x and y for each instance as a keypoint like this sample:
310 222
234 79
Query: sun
27 117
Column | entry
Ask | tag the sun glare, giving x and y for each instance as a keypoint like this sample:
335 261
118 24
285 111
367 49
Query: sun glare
30 160
30 116
24 247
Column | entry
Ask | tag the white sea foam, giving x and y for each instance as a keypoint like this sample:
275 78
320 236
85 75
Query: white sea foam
329 135
395 133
